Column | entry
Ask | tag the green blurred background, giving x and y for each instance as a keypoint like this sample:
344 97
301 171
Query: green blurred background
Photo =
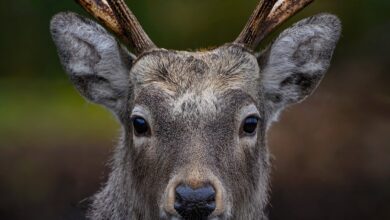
331 153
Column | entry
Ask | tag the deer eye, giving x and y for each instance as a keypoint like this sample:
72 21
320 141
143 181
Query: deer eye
250 125
141 127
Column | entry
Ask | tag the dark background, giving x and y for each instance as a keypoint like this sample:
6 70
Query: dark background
331 153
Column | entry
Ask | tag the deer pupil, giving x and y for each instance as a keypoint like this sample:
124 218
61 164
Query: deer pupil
140 126
250 125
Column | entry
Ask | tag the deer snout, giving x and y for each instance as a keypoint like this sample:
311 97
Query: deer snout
194 199
195 203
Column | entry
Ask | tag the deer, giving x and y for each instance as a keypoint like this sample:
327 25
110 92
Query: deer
193 123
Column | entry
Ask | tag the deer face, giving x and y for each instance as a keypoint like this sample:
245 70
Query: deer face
198 123
194 123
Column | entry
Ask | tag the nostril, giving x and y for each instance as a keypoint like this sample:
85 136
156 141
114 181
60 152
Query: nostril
195 203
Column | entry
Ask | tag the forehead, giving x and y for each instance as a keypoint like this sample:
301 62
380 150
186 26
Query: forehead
197 80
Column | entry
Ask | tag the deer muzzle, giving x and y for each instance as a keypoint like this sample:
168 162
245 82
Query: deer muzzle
194 197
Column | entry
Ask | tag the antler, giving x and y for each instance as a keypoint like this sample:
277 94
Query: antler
267 16
116 16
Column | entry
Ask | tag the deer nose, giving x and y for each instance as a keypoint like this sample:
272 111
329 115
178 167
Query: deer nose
195 203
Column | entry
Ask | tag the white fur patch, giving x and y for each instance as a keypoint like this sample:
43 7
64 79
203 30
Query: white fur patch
196 102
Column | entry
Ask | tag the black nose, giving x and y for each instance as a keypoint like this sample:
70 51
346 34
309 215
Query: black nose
195 204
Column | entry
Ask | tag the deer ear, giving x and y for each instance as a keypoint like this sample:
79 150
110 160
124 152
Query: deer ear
95 62
295 63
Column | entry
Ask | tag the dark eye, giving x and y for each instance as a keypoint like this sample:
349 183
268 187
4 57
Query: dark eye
250 124
140 125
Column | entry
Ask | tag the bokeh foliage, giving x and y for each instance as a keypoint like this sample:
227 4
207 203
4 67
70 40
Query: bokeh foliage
53 143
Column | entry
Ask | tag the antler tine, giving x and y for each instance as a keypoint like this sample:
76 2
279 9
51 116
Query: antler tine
265 19
250 33
116 16
280 13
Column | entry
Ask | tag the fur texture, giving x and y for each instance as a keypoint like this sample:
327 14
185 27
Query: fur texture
96 63
194 103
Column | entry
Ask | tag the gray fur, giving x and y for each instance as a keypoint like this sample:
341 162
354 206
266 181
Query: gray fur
96 63
296 62
195 103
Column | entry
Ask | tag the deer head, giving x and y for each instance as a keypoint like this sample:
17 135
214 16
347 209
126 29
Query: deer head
193 143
